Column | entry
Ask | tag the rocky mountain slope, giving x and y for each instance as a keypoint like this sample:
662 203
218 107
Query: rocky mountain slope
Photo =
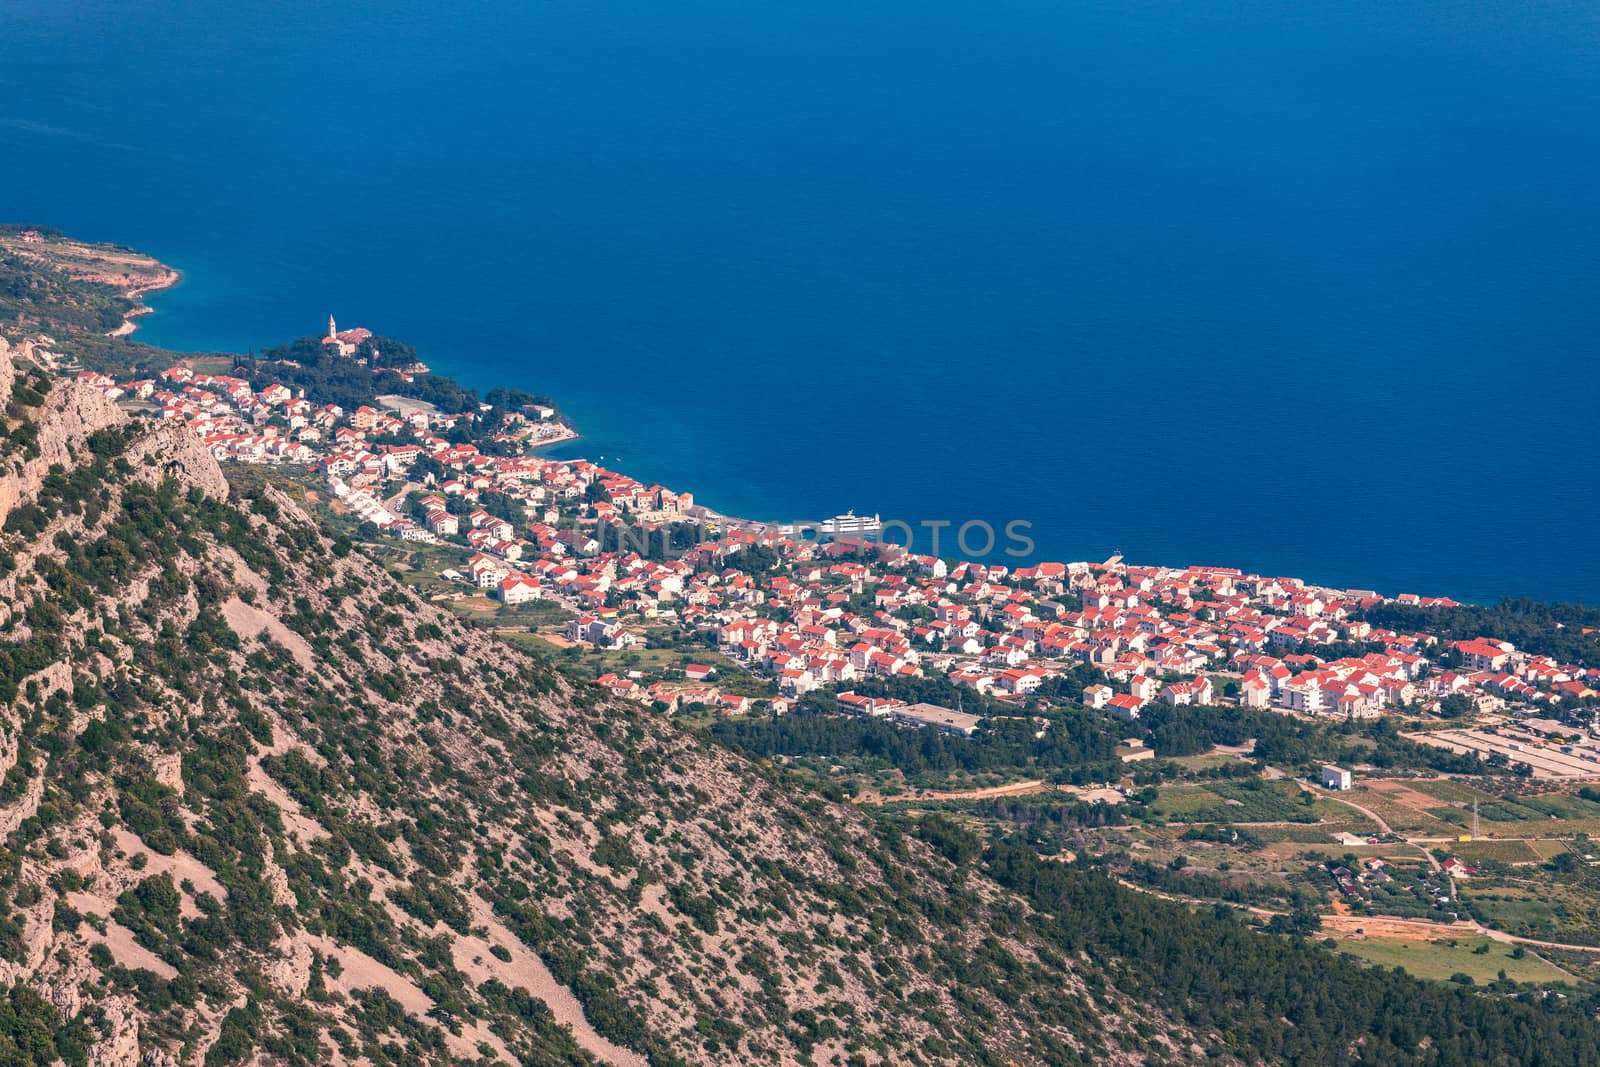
261 804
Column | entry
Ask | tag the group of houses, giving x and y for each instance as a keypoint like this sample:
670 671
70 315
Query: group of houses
834 613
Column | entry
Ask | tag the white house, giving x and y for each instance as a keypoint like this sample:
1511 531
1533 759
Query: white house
1097 696
519 589
1126 705
1336 778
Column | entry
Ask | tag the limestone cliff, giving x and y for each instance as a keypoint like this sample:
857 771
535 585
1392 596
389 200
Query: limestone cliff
69 415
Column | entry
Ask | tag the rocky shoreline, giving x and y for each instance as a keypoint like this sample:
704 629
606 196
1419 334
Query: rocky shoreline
136 294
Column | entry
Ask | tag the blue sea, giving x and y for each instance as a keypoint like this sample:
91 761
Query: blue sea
1308 288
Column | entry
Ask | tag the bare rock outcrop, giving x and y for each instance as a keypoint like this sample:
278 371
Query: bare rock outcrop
70 414
120 1046
172 449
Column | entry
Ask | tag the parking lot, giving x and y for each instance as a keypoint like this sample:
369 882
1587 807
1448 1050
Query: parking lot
1521 746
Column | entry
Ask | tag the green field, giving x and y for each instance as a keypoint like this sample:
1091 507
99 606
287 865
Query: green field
1449 789
1251 800
1548 849
1179 800
1205 761
1439 960
1498 851
1505 908
1401 817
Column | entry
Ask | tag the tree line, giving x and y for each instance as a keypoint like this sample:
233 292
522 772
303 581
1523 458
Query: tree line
1569 633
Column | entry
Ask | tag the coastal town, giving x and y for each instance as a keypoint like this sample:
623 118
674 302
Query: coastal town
1033 535
623 563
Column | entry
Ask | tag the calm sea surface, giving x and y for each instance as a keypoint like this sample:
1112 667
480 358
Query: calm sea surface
1311 288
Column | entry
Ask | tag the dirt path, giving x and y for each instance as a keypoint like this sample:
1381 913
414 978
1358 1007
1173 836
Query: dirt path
1014 789
1513 939
1384 826
1398 928
1389 925
1193 902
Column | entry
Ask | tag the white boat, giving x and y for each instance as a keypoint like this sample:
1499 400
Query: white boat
850 524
